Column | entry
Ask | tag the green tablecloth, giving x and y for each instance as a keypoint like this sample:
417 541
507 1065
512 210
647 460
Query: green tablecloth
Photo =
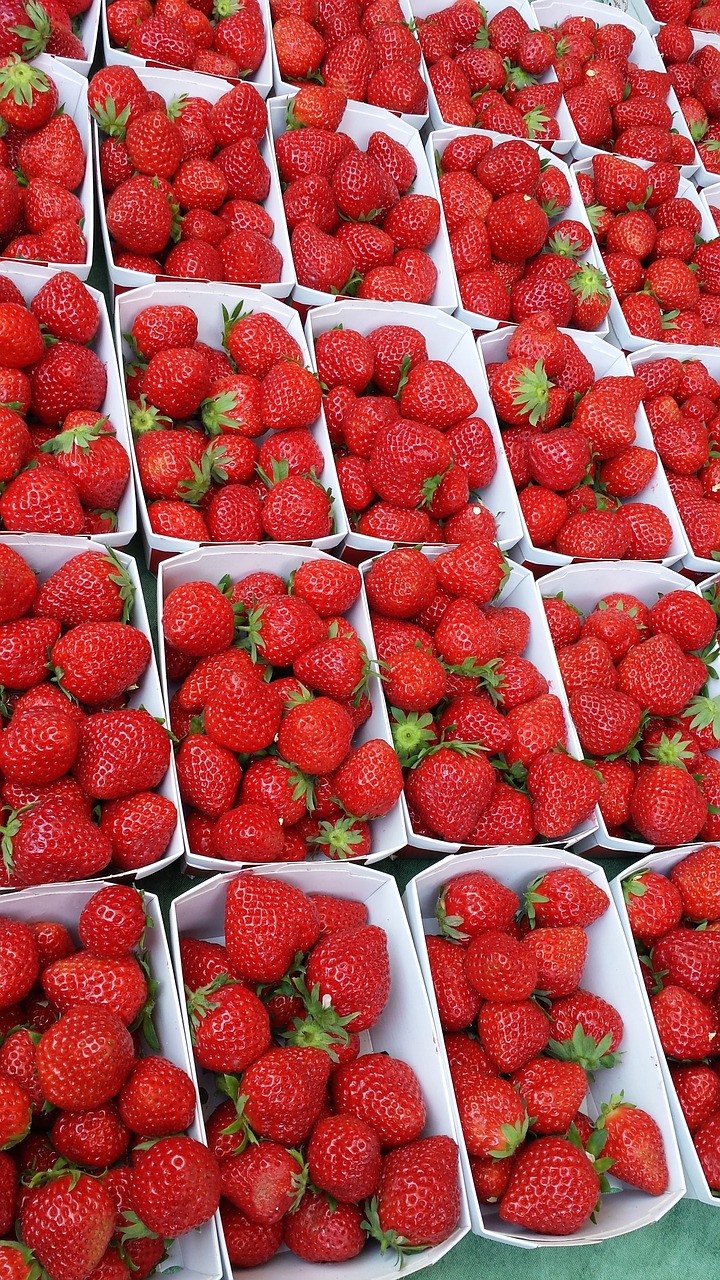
687 1240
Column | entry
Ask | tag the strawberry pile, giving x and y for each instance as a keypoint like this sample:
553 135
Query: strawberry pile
522 1038
615 104
481 738
636 679
320 1147
410 453
681 405
96 1172
80 765
513 252
694 77
197 413
228 42
558 423
367 51
30 27
693 13
675 921
267 763
356 226
185 181
61 466
42 164
487 73
666 277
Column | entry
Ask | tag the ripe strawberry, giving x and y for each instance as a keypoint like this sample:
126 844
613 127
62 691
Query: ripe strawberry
68 1223
18 962
654 905
384 1092
492 1114
634 1142
175 1185
553 1188
686 1025
317 1233
512 1032
552 1091
292 923
418 1199
698 881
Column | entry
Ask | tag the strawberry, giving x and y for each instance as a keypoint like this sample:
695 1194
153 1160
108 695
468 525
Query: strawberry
458 1002
347 1180
553 1188
261 1181
248 1243
353 971
705 1143
16 1108
418 1198
492 1114
266 1083
64 1048
384 1092
512 1032
175 1185
564 792
698 1093
37 844
634 1142
68 1223
564 897
696 879
18 960
553 1091
157 1099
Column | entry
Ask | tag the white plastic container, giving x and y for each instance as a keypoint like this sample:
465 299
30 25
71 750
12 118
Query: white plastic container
210 564
46 554
170 84
207 305
583 590
436 144
606 361
416 121
663 863
404 1030
29 280
609 972
447 339
360 121
698 566
626 339
72 96
568 133
639 10
195 1256
520 591
262 78
644 54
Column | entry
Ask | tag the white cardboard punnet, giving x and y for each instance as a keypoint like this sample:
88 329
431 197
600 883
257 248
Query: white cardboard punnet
520 591
663 863
568 133
165 81
72 96
629 341
583 589
210 564
609 972
45 555
416 121
360 121
644 54
196 1255
447 339
404 1030
29 280
262 78
606 361
436 144
208 306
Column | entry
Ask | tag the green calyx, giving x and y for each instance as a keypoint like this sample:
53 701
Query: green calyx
513 1135
412 733
200 1003
595 214
532 393
32 1269
217 413
531 899
144 1019
340 838
450 926
674 750
122 580
386 1239
589 1053
517 77
588 283
564 245
536 121
633 887
21 81
80 437
176 106
110 120
211 469
704 713
321 1027
230 1086
145 417
35 36
593 1150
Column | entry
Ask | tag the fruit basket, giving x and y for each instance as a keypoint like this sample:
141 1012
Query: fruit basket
518 592
211 565
360 121
72 95
568 135
46 555
165 82
209 311
29 280
625 338
449 341
697 566
196 1254
404 1029
662 864
415 120
644 54
647 583
112 55
436 145
609 973
606 362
